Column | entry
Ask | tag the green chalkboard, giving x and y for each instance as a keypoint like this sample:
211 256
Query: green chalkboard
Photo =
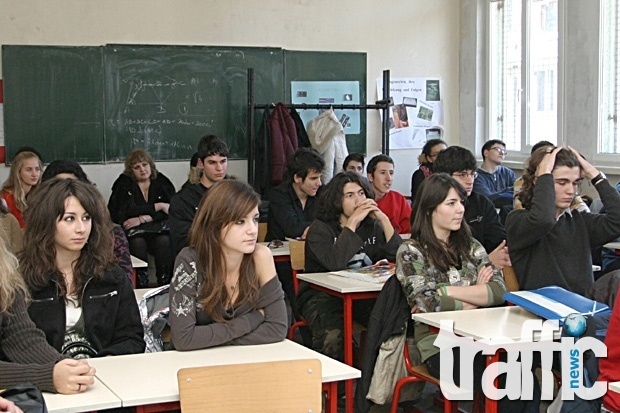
95 104
330 66
53 101
164 98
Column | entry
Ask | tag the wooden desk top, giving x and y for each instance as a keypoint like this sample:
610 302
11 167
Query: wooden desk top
98 397
338 283
142 379
484 322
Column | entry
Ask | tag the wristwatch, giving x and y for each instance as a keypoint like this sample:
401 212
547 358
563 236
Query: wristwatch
598 178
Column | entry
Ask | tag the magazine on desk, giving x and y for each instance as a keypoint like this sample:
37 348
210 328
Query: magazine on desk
555 303
377 273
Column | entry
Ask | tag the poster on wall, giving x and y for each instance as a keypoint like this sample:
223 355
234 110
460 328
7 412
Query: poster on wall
329 93
417 114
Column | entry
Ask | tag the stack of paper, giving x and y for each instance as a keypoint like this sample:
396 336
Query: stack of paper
372 273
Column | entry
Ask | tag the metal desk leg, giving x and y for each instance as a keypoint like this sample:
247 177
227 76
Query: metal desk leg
348 348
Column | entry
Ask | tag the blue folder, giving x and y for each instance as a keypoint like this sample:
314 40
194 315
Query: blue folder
555 303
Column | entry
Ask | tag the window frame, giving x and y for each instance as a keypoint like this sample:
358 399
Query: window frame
516 159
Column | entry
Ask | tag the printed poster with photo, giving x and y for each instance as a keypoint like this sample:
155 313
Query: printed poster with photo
417 114
329 93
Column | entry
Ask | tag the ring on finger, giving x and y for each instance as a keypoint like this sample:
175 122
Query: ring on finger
80 387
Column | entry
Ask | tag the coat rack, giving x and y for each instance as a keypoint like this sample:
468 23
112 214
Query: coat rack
383 105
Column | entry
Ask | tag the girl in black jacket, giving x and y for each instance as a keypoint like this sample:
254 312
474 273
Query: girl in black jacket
81 299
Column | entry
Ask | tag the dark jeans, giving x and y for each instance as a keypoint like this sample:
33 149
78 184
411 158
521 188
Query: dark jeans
285 275
159 246
325 316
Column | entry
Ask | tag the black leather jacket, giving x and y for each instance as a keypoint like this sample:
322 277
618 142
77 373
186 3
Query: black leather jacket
109 309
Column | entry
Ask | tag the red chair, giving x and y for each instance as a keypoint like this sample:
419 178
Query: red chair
418 374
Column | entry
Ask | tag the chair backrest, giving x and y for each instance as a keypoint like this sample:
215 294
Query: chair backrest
278 386
510 278
262 231
298 259
298 254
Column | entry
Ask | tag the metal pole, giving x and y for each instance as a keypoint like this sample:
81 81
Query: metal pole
385 130
250 126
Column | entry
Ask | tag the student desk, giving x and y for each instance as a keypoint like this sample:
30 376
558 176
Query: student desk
348 289
139 293
151 378
613 245
97 397
506 322
282 253
137 263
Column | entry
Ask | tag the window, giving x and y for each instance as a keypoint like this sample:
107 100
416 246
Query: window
610 79
523 59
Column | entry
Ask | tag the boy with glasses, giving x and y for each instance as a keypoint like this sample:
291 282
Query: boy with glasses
480 213
494 180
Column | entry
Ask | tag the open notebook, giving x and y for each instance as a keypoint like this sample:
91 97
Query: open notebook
378 273
555 303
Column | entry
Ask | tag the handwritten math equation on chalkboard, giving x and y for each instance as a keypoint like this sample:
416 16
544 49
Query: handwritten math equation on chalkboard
152 110
158 93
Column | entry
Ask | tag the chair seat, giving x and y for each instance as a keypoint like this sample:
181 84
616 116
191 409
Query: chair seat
422 371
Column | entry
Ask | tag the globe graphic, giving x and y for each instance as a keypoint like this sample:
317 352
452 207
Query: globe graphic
574 324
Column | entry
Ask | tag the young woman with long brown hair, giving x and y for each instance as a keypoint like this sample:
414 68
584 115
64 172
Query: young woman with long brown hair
81 299
442 268
25 356
225 289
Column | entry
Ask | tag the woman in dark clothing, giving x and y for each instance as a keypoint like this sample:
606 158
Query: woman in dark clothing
429 152
141 195
25 356
81 299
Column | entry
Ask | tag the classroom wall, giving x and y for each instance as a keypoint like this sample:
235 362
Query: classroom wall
412 38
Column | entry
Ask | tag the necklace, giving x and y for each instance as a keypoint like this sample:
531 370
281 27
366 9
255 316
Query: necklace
233 288
68 277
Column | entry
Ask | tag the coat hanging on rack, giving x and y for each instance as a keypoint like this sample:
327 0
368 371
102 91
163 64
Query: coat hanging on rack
303 141
327 137
262 149
283 141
